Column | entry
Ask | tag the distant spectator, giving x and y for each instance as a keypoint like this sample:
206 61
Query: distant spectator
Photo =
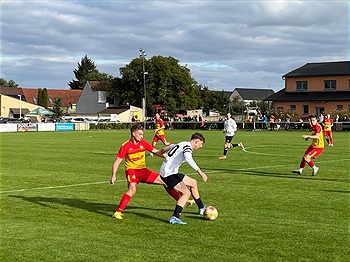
288 122
272 122
320 119
278 125
337 118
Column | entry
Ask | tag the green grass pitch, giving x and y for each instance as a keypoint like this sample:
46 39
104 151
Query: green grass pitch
56 202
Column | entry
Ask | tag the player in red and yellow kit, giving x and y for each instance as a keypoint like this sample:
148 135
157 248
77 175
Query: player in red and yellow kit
133 151
327 129
159 132
315 149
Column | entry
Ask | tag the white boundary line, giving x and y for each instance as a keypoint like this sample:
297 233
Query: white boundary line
55 187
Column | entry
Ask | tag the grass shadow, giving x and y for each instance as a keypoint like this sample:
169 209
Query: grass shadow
99 208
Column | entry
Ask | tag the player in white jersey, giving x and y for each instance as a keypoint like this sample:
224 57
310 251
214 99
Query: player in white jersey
169 173
230 127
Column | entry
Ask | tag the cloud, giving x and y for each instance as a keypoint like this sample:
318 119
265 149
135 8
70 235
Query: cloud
225 44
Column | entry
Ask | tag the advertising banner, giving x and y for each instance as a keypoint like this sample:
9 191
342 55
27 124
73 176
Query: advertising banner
8 127
46 127
64 127
26 127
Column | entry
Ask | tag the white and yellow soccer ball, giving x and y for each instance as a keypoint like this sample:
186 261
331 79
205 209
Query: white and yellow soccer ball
210 213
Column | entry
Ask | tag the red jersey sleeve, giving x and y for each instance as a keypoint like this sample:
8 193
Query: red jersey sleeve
122 150
147 145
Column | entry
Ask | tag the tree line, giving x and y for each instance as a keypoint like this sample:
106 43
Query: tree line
163 82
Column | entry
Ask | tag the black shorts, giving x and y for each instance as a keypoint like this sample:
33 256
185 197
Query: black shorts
228 139
172 180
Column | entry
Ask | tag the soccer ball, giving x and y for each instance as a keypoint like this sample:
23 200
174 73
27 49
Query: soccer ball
211 213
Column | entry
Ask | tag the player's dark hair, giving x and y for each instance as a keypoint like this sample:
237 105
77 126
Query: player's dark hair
135 128
312 116
198 136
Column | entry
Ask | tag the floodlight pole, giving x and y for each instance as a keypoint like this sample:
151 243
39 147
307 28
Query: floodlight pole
142 55
20 106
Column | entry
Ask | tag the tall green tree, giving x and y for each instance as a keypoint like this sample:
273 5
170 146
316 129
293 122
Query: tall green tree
45 98
167 83
87 71
42 97
214 100
57 109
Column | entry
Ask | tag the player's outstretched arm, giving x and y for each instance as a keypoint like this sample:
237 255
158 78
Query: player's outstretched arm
158 152
115 167
203 175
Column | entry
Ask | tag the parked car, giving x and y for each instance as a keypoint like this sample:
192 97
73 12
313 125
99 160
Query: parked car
10 120
78 120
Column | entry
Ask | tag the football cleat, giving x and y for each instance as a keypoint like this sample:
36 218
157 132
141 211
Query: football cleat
297 172
202 210
222 157
315 170
176 220
117 215
189 203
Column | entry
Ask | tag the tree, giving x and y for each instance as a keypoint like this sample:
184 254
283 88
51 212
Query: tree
87 71
214 100
9 83
57 109
167 83
42 97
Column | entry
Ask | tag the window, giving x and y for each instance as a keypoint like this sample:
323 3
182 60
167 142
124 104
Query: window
110 100
319 110
305 109
293 107
35 101
50 100
301 85
330 84
279 109
340 107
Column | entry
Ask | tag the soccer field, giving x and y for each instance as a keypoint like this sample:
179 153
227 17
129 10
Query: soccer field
56 201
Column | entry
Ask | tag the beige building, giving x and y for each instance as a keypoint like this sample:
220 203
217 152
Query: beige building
14 107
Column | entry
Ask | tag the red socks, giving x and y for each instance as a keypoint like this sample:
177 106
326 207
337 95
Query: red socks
123 202
173 193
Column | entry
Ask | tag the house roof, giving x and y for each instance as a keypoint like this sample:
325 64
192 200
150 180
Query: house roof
98 86
283 96
115 110
321 69
68 96
10 91
254 93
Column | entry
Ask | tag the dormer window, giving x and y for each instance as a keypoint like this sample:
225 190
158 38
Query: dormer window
330 84
301 85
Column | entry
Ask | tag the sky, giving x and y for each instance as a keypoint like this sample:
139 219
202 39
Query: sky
225 44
